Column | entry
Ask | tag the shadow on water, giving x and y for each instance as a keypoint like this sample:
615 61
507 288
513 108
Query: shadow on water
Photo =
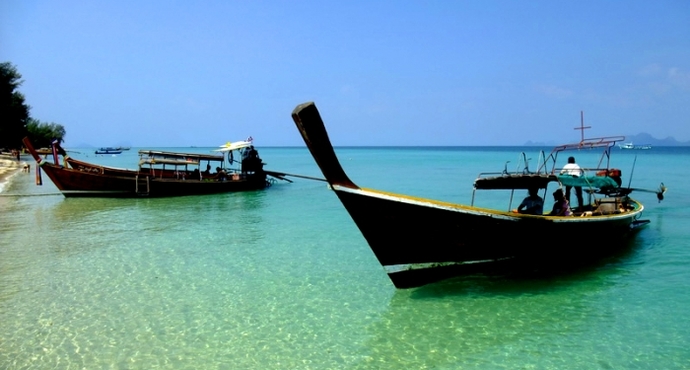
86 208
79 225
539 280
483 320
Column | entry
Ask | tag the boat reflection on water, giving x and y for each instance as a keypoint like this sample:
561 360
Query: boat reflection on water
476 321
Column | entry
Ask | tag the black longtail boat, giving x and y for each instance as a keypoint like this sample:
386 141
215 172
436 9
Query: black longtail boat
419 241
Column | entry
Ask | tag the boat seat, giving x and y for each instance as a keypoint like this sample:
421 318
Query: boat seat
608 206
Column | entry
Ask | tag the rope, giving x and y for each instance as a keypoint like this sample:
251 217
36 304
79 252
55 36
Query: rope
28 195
283 174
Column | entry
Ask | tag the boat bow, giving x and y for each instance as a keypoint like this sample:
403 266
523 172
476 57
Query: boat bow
310 125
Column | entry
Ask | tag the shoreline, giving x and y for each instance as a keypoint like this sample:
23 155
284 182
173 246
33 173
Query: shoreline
8 168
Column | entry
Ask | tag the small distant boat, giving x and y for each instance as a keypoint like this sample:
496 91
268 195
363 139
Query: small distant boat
160 173
631 146
44 151
419 241
108 151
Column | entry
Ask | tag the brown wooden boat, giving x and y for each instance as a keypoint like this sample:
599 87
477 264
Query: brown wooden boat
419 240
160 174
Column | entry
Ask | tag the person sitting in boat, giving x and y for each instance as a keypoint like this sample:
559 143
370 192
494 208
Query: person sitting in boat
532 204
220 173
573 170
561 207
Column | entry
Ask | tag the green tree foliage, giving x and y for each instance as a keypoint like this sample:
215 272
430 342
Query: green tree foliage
15 121
41 134
14 113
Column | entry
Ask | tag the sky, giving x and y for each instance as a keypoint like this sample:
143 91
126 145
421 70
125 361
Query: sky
183 73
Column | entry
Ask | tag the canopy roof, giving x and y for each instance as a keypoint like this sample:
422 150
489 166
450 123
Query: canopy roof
176 162
515 181
233 146
184 157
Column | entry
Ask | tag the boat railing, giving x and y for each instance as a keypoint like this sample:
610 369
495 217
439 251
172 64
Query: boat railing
522 167
521 178
523 164
604 143
541 160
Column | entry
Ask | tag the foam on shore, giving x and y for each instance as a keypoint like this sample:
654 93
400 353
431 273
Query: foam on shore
8 168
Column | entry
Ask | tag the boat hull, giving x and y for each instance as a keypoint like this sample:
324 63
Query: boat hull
95 181
82 179
418 241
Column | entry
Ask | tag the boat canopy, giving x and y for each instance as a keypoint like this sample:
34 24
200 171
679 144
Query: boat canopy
176 162
606 178
158 156
234 146
514 181
603 143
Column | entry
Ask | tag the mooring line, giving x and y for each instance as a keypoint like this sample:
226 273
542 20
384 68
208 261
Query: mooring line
28 195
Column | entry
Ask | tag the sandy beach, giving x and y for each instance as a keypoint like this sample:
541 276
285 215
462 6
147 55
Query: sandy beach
8 167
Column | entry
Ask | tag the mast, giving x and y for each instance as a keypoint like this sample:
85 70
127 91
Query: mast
582 127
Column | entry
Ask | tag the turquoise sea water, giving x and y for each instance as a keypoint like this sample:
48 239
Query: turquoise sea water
282 278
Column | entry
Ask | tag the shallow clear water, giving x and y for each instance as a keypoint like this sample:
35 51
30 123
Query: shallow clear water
282 278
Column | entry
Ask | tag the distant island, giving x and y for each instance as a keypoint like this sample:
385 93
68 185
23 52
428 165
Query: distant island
639 139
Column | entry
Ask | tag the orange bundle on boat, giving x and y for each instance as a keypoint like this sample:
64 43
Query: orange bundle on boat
613 173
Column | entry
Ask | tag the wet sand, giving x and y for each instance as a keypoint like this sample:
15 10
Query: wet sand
9 167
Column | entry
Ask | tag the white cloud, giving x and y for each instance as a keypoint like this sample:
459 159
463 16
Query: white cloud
650 70
553 91
661 79
348 90
679 78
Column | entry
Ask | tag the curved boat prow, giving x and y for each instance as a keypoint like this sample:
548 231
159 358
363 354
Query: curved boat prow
32 151
310 125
